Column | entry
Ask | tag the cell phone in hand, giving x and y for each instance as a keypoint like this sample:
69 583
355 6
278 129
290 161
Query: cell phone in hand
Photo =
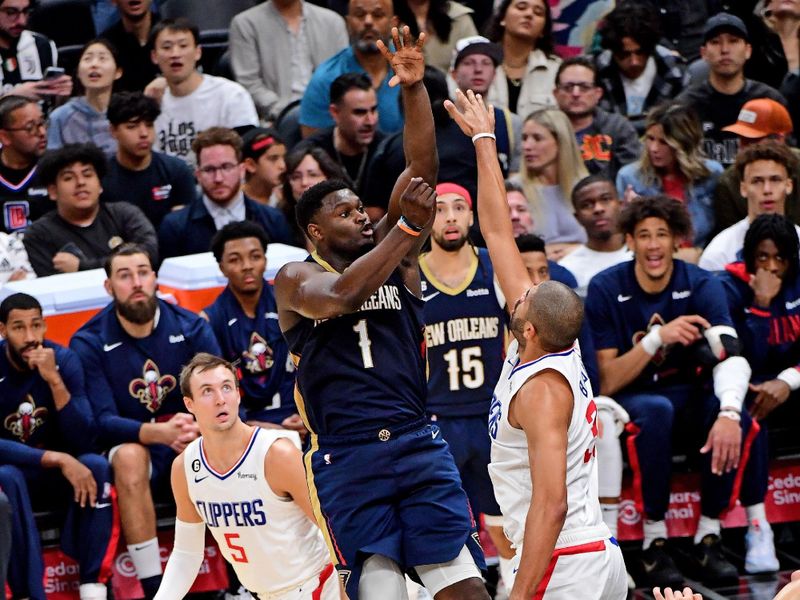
53 72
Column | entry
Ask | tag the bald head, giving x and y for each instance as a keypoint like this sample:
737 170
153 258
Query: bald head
556 312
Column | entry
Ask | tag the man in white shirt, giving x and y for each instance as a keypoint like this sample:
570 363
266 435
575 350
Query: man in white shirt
597 210
192 101
765 183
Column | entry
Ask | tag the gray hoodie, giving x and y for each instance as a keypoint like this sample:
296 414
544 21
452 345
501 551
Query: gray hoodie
77 122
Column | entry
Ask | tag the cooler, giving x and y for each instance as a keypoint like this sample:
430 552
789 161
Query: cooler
68 300
195 280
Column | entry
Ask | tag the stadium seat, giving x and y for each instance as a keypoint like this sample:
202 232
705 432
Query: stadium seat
215 45
66 22
206 15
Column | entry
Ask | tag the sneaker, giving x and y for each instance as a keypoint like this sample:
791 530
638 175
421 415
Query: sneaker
708 563
239 594
656 568
760 545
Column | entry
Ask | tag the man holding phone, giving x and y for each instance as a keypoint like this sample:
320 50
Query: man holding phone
26 56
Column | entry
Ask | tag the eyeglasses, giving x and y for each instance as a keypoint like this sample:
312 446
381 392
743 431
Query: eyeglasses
15 13
29 128
582 86
225 169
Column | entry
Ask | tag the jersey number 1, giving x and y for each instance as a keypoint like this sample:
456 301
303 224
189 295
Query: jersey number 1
364 343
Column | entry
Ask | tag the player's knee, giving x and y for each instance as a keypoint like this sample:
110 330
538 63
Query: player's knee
131 466
381 577
467 589
12 481
657 410
98 465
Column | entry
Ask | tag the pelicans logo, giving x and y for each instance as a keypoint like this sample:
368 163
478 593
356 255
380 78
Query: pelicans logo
661 355
258 356
26 420
152 388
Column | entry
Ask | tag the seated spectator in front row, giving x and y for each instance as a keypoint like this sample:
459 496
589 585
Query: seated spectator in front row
762 292
759 120
192 101
264 156
153 181
673 164
646 317
23 135
46 445
80 233
597 208
219 172
132 354
83 118
765 172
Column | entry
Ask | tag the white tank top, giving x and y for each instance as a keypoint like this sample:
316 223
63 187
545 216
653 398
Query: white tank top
268 539
510 467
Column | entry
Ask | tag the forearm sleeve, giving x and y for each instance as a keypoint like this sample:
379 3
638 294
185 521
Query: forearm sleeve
731 379
184 562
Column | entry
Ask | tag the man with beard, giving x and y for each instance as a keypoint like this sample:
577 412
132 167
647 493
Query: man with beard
245 322
80 233
607 141
465 336
219 172
368 21
46 444
130 36
353 140
132 353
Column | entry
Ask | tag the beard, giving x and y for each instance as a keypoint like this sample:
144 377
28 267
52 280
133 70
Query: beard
367 46
138 312
450 245
516 326
16 358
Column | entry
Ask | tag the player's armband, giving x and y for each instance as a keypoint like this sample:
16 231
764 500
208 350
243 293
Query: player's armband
717 344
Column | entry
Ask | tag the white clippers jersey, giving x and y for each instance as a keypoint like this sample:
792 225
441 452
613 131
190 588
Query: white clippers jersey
510 467
268 539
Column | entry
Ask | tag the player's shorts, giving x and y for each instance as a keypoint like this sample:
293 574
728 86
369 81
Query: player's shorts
590 571
324 586
396 492
470 445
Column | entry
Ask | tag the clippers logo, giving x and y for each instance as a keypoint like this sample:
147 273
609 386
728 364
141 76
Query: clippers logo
258 357
26 420
15 215
152 388
660 356
161 192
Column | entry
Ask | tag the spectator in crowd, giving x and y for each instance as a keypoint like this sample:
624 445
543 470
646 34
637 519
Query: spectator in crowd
14 263
219 173
131 37
49 429
607 141
244 323
646 317
532 249
26 55
192 101
521 218
761 292
306 166
153 181
719 99
132 353
367 22
597 208
634 70
765 173
779 43
353 139
80 233
23 135
760 119
264 166
552 166
681 23
83 118
673 164
276 46
525 80
444 23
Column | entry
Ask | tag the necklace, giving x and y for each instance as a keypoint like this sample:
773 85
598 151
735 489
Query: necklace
362 164
515 82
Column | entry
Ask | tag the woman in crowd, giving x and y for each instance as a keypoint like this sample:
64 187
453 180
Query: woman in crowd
673 164
83 118
444 23
525 80
552 167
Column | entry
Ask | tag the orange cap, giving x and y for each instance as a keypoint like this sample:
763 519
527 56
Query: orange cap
761 117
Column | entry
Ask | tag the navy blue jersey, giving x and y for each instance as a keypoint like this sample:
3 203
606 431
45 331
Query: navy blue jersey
131 381
257 349
465 337
30 421
363 371
769 335
620 314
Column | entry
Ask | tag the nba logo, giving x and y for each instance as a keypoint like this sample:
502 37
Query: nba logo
16 215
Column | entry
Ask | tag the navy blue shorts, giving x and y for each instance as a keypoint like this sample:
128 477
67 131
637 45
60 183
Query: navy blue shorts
468 438
396 493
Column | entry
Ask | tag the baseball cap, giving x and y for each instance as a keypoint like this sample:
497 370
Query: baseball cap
724 22
761 117
454 188
476 44
257 141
